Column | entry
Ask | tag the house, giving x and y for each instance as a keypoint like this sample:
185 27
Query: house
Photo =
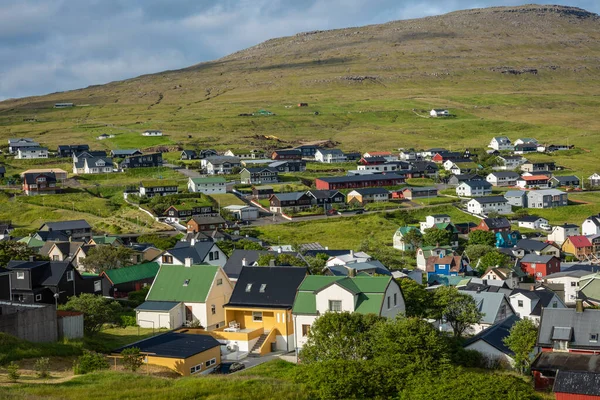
538 167
360 181
27 153
424 252
220 165
594 179
474 188
456 180
458 168
591 225
547 365
187 209
200 223
417 192
186 295
560 233
371 268
485 205
262 192
490 343
398 239
258 316
209 185
525 140
259 175
152 133
295 201
532 222
327 199
6 228
507 239
60 251
495 225
438 112
537 247
345 257
368 195
150 160
242 258
573 330
289 166
494 306
540 266
533 181
530 303
579 246
244 154
408 155
39 183
500 143
330 156
318 295
387 155
502 178
576 385
388 166
104 136
571 281
422 169
287 154
510 277
548 198
434 220
443 156
243 213
158 188
93 165
371 161
589 289
21 143
523 148
308 150
185 353
564 181
516 198
449 265
129 279
67 150
509 163
73 230
189 155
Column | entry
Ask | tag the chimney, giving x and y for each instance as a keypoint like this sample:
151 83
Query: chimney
243 262
351 272
189 261
192 242
579 306
272 262
351 253
279 250
326 247
532 288
31 258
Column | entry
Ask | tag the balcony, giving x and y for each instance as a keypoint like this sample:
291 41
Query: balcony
241 334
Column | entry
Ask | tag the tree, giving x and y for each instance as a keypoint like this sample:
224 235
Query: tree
417 299
228 246
437 237
493 214
521 340
414 237
160 242
132 359
482 237
317 263
280 259
457 309
476 251
105 257
96 310
339 336
491 259
10 250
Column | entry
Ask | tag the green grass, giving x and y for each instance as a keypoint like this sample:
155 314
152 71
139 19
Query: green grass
434 200
384 205
82 202
227 199
13 349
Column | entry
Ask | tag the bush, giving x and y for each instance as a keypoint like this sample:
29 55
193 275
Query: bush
13 371
127 320
42 367
132 359
89 362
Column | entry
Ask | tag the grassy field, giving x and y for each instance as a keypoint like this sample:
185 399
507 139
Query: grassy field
227 199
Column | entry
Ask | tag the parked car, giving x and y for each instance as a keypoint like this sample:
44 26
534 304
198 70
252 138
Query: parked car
546 227
228 368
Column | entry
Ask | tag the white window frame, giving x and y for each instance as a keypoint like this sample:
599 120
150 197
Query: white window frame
97 286
20 274
336 302
257 316
70 276
211 362
196 368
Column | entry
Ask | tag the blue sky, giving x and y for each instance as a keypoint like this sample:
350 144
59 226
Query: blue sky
55 45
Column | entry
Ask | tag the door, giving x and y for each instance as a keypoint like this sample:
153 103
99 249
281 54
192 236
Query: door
189 316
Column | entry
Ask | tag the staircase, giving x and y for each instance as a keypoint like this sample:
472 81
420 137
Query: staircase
255 351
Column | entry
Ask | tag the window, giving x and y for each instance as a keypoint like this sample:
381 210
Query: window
20 275
257 316
520 303
38 297
554 304
219 282
248 287
335 305
305 330
210 256
97 286
216 255
389 302
593 337
195 368
262 288
186 282
210 362
573 284
70 276
213 309
167 259
560 345
395 299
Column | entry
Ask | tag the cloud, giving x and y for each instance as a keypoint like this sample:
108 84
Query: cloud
48 46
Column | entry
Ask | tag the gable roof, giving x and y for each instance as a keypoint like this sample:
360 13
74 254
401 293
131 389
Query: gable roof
488 303
292 196
267 287
30 178
504 174
200 181
495 335
67 225
497 223
579 241
581 383
174 345
197 252
132 273
371 191
534 258
233 266
490 199
578 324
53 271
341 270
531 218
564 361
170 283
532 245
477 183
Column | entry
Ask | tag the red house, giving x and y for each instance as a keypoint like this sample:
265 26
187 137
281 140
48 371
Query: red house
287 154
39 183
359 181
540 266
372 160
493 225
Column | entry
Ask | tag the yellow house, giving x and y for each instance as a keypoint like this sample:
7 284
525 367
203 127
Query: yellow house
186 354
258 317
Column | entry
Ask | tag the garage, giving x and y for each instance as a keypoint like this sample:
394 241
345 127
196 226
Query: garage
159 314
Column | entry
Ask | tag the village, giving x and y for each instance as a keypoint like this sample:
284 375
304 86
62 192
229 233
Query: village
218 299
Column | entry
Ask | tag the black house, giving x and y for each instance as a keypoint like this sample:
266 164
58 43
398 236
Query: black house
4 284
143 161
76 229
67 150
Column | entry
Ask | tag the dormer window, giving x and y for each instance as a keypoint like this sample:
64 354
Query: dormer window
248 287
186 282
262 288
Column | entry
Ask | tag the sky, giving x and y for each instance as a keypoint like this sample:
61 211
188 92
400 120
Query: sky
56 45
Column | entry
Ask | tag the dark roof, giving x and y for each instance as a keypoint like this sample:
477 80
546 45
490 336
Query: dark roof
197 252
371 191
553 361
477 183
531 245
497 223
579 324
289 151
583 267
360 178
495 334
565 178
544 297
67 225
583 383
29 177
53 270
233 266
278 284
323 194
56 236
490 199
292 196
157 305
538 259
174 345
261 169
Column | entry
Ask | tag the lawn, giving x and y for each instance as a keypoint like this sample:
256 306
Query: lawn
227 199
581 206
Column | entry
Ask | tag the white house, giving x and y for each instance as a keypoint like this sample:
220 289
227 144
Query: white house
486 205
27 153
432 220
348 258
532 222
571 282
502 274
560 233
525 140
220 165
318 295
209 185
474 188
243 213
93 165
591 225
509 163
529 303
398 239
152 133
198 252
330 156
490 343
502 178
438 112
501 143
493 305
594 179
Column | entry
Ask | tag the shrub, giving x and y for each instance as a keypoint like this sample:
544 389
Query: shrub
89 362
139 296
42 367
132 359
127 320
13 371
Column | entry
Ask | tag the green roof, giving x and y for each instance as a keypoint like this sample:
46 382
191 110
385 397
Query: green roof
216 179
169 284
30 241
105 239
590 286
405 229
158 183
369 290
132 273
445 225
191 203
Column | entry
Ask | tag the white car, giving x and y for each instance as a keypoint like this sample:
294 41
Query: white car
546 227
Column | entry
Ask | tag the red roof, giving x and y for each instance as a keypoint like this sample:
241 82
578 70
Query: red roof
580 241
535 177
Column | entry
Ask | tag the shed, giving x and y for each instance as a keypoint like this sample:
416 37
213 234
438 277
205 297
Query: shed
70 324
159 314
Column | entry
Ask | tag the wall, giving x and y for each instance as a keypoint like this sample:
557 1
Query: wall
392 289
70 326
156 319
300 320
182 366
218 295
34 323
279 319
335 292
490 351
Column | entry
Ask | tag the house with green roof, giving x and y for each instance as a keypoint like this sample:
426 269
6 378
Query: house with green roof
319 294
129 279
590 289
183 295
398 238
208 185
106 239
424 252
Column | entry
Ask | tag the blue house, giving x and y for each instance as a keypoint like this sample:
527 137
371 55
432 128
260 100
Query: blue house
450 265
508 239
